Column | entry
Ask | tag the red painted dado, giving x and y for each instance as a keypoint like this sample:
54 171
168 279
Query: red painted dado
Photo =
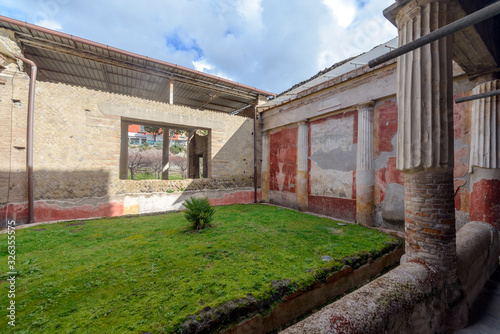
283 160
341 208
485 202
49 212
45 212
16 212
386 126
241 197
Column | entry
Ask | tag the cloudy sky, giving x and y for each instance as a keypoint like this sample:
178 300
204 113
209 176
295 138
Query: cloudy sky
268 44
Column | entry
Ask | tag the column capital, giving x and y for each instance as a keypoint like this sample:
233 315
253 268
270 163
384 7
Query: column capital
366 105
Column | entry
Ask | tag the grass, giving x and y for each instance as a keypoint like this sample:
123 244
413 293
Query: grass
146 274
150 176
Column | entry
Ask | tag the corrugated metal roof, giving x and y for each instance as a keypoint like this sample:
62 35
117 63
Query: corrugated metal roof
69 59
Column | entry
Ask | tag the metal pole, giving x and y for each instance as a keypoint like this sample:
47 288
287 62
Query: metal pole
471 19
477 96
255 153
29 144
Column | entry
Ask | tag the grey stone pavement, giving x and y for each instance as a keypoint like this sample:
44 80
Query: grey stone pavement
484 316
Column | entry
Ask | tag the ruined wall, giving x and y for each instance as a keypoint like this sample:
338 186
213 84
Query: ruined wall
283 166
461 176
331 117
389 189
77 153
332 165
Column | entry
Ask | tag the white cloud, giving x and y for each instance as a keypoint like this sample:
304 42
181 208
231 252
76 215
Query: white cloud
201 65
343 11
269 44
49 24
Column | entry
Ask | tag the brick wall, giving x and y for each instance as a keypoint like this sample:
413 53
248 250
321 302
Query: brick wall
430 218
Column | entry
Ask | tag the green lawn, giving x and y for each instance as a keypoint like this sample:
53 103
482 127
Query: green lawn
146 274
150 176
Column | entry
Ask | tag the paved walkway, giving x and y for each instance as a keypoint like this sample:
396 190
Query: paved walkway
485 313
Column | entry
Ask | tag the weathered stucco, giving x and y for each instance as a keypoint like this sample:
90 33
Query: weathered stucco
77 151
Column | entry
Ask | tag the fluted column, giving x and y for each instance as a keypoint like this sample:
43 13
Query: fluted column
425 136
165 153
485 156
124 150
302 166
365 174
265 167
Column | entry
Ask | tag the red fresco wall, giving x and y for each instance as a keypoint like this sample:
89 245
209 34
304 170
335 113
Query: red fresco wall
461 129
484 206
385 128
337 207
283 160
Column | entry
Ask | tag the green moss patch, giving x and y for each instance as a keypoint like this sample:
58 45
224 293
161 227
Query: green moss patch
150 274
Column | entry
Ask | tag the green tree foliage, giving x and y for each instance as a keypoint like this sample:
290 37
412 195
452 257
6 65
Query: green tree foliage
198 212
154 130
177 148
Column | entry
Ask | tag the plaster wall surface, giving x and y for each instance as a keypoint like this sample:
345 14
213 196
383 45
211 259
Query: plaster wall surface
332 165
77 150
354 89
283 166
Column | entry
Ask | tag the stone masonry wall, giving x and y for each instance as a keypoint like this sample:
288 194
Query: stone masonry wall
77 151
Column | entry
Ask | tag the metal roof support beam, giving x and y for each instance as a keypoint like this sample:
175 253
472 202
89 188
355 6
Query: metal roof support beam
471 19
211 99
171 90
135 67
478 96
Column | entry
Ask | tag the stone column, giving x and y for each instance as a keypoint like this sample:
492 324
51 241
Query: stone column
425 137
124 151
265 167
190 154
484 163
365 174
165 153
302 166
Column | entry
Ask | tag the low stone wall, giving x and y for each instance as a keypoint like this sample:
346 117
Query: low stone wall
144 199
413 298
286 304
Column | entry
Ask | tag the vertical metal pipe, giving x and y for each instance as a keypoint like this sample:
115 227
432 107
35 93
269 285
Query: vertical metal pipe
255 153
29 144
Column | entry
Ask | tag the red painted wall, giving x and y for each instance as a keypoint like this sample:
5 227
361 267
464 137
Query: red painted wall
485 202
385 128
461 131
337 207
283 160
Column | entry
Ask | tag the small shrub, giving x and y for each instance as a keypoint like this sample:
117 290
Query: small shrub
198 212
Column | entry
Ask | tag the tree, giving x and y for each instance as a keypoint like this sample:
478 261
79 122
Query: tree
180 162
154 130
178 148
153 159
134 162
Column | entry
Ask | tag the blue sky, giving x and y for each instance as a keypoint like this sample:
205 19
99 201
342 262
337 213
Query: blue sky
268 44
